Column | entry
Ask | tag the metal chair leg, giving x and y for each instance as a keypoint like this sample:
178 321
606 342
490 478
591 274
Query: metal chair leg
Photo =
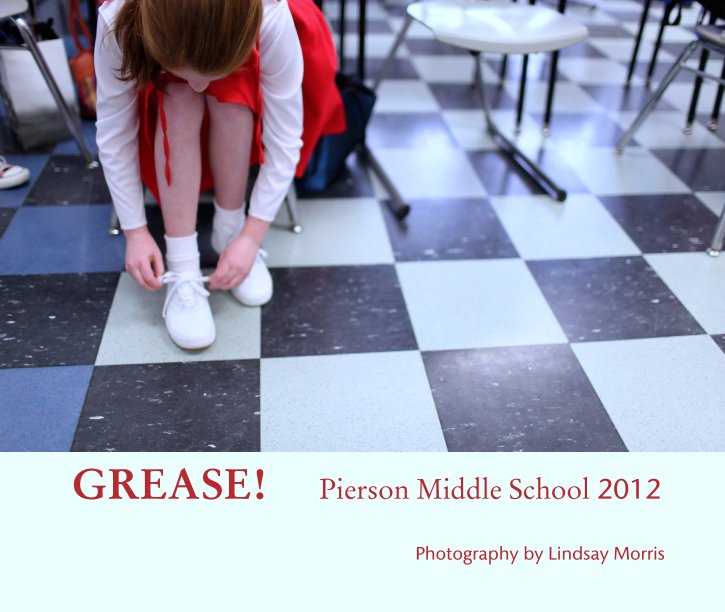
70 119
655 98
393 50
718 238
698 84
114 227
506 146
658 42
291 203
638 41
712 124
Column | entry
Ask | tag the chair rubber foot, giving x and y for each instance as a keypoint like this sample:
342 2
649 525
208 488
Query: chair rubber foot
712 126
618 150
114 232
687 130
295 228
713 252
546 131
92 165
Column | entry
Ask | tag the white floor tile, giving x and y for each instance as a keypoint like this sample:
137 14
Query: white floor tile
662 394
329 404
620 49
405 96
672 35
467 304
679 95
580 227
436 173
714 200
568 97
449 69
135 331
335 233
594 71
663 130
698 281
636 171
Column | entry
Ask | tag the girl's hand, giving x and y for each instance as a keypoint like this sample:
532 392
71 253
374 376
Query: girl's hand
234 263
143 258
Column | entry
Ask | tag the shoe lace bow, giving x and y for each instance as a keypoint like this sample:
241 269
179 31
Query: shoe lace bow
186 286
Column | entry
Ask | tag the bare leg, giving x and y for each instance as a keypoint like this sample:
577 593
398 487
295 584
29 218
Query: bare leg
184 109
230 146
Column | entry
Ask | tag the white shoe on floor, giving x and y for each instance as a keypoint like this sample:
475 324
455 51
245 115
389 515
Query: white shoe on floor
257 288
12 175
186 310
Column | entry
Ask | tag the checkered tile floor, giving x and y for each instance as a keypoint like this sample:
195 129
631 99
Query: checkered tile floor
492 319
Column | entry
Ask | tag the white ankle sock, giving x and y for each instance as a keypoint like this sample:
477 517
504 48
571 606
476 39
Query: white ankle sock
182 254
227 224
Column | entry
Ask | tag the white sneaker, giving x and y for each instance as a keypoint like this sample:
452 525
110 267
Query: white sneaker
186 310
256 289
12 175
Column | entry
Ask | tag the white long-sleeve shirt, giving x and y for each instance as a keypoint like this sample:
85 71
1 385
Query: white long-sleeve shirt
281 69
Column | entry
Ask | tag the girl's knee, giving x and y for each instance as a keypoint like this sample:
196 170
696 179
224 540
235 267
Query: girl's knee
183 106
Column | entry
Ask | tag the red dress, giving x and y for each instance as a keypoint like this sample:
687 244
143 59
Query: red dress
323 111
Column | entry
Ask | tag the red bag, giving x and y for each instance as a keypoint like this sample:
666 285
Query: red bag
81 66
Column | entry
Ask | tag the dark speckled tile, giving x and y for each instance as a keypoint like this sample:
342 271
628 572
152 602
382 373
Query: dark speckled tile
448 229
611 299
607 31
53 320
616 97
534 398
372 26
720 341
420 130
455 96
6 216
203 406
581 50
663 223
700 169
345 309
501 176
66 180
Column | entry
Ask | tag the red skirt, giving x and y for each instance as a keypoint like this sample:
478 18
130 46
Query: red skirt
323 111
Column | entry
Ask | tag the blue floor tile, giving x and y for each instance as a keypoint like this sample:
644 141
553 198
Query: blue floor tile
70 147
16 196
39 407
51 240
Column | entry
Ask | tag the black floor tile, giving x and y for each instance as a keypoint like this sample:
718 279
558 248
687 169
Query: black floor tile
430 46
6 216
608 31
534 398
616 97
53 320
448 229
372 26
456 96
501 176
419 130
335 310
611 299
699 169
171 407
582 49
66 180
663 223
399 68
720 341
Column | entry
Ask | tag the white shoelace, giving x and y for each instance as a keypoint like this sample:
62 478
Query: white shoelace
187 286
